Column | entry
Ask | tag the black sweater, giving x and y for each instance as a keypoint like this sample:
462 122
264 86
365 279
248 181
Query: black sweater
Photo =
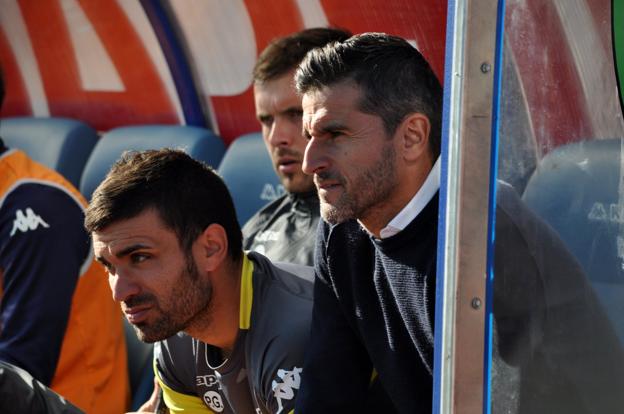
373 302
374 305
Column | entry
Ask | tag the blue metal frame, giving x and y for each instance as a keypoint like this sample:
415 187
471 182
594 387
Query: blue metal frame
452 27
164 29
440 281
489 287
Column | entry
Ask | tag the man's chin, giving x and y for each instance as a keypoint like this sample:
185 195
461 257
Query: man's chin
334 215
297 184
149 335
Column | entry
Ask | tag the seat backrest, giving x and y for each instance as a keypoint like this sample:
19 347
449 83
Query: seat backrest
140 369
59 143
248 172
200 143
579 190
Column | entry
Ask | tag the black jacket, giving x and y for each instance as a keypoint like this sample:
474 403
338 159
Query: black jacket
285 229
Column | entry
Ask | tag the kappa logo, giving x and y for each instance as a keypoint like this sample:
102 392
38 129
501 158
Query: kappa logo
25 222
285 390
270 192
267 235
607 212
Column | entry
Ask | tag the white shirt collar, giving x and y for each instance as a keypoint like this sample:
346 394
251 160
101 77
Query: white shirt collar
416 204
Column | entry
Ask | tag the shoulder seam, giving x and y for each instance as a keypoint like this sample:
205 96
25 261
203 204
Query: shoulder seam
7 153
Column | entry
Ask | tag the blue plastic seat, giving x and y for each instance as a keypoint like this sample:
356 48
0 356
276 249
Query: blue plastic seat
579 190
248 172
140 368
59 143
200 143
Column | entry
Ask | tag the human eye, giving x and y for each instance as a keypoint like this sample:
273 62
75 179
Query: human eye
294 114
266 120
110 269
136 258
334 133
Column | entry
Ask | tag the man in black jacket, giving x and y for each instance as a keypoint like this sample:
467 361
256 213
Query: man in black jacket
285 229
371 113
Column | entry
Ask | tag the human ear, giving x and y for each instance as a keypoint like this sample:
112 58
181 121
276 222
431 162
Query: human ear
414 133
212 247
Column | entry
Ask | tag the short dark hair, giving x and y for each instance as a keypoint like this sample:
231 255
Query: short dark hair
394 77
187 194
284 53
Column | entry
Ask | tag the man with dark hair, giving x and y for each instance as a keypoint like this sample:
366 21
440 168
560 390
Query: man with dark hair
285 229
371 112
57 319
231 326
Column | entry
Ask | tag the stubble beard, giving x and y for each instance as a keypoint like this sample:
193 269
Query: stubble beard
298 182
187 306
368 189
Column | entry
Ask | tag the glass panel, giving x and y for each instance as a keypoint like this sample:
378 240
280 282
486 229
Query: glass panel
558 294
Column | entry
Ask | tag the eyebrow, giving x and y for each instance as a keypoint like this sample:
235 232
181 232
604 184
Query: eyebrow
333 125
289 110
130 249
283 111
292 109
330 126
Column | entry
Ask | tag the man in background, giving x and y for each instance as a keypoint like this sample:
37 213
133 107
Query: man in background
57 319
285 229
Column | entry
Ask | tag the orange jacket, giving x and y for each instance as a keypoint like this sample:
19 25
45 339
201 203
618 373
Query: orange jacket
90 368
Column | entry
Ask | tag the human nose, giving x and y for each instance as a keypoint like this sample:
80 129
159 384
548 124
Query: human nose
314 158
280 134
122 287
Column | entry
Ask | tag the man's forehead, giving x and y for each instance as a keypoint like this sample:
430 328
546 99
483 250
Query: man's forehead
337 94
274 91
113 241
315 117
330 104
311 100
146 228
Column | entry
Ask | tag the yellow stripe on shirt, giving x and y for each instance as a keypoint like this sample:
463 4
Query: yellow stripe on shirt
246 294
181 403
373 376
